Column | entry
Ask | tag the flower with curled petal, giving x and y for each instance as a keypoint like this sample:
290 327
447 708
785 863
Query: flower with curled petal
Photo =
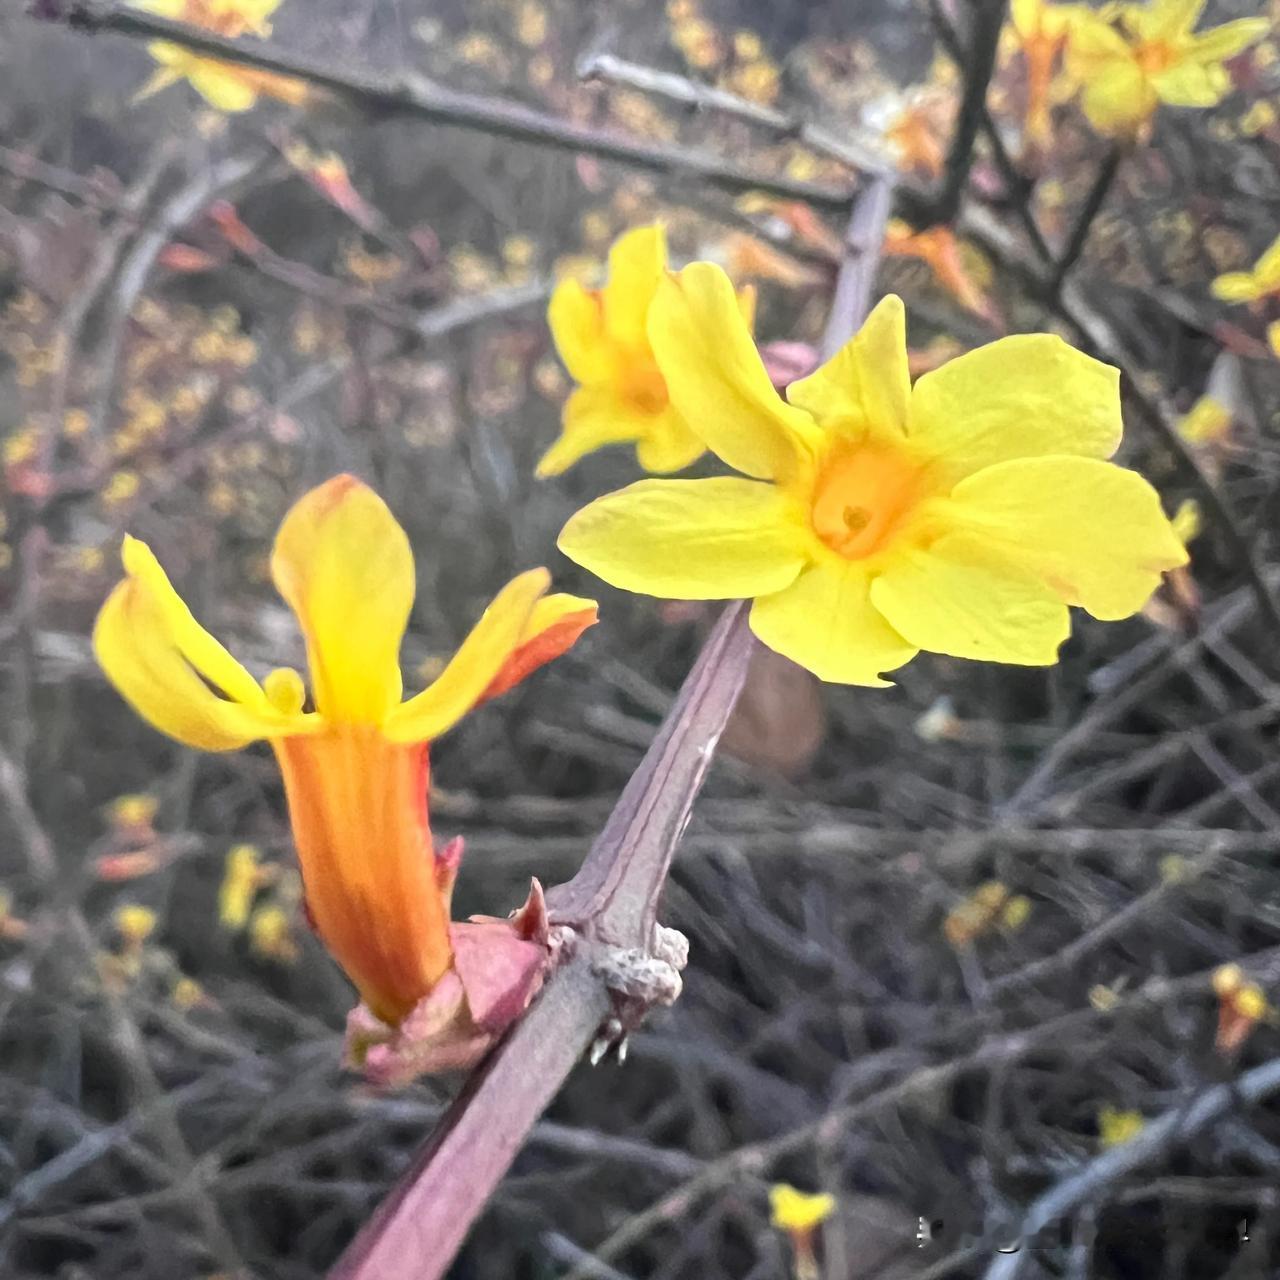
356 766
874 519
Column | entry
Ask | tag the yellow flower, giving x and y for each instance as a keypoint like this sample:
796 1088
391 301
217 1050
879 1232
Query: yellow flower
1187 521
1252 286
356 768
223 84
1208 421
1273 338
1115 1127
241 880
962 516
601 336
1149 55
135 923
794 1210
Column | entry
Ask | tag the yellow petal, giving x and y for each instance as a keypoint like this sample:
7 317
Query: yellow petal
1267 268
1229 39
637 263
553 627
961 598
1094 532
1021 397
345 568
136 650
594 417
474 667
719 539
184 633
1117 99
825 622
1273 338
866 383
1192 84
717 380
1237 286
220 85
669 444
577 326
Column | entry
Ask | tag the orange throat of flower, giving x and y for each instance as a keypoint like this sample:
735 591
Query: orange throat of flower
375 892
1154 56
865 495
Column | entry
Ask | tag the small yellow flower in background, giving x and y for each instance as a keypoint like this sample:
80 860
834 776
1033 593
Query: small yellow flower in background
1208 421
356 768
1273 338
1241 1006
1115 1127
1040 31
1148 55
1263 281
962 516
800 1215
223 84
271 934
188 994
1187 521
243 877
602 339
989 906
133 814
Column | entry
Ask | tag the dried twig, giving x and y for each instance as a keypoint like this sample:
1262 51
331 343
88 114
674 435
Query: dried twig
413 96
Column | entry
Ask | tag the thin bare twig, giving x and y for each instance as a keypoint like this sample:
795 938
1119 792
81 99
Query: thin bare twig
409 95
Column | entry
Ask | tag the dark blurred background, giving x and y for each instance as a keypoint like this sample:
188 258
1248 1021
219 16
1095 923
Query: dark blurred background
951 942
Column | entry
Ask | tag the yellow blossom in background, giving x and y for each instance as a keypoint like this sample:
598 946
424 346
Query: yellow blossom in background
271 934
1263 281
1273 338
1187 521
1040 31
1208 421
1115 1127
602 338
134 923
793 1210
962 516
243 876
355 768
1241 1006
223 84
915 135
1129 58
133 813
187 994
800 1215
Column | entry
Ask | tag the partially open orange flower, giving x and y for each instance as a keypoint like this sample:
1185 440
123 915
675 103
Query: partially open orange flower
355 768
938 246
1041 32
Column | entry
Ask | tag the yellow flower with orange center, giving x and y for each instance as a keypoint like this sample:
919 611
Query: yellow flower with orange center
1149 54
1263 281
602 338
960 516
223 84
356 767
